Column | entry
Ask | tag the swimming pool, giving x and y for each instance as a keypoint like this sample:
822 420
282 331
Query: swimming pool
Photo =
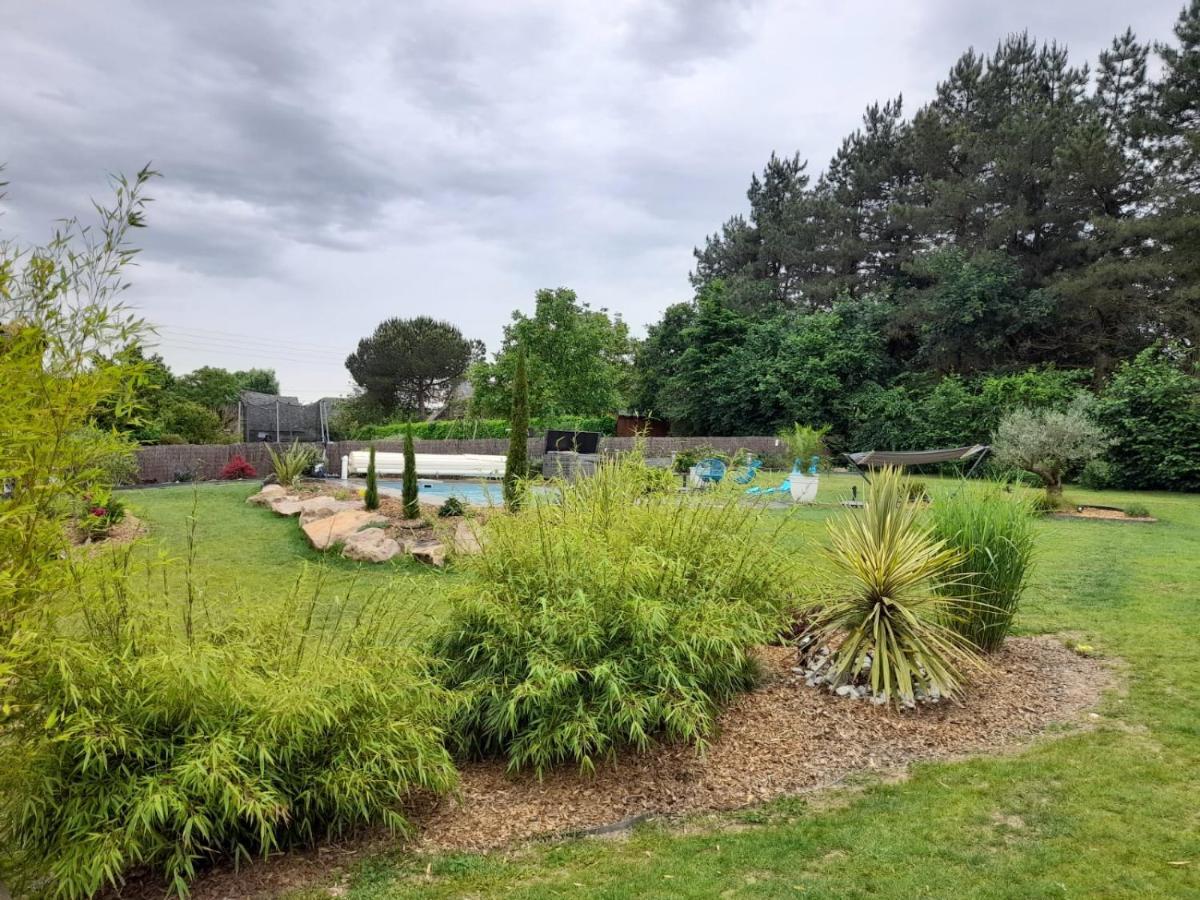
474 492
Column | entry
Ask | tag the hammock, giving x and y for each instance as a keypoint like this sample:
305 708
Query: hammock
873 458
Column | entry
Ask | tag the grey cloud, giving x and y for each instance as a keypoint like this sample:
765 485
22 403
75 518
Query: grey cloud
363 159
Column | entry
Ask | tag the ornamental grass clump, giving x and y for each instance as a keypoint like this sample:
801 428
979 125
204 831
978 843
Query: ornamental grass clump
888 612
993 532
603 617
154 733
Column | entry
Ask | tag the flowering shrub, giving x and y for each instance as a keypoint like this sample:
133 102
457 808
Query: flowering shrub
98 515
237 467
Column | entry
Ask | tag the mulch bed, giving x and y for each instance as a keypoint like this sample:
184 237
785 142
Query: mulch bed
1101 512
783 738
129 529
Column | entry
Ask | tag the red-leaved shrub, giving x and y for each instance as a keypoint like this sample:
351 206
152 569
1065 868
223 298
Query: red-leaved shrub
237 467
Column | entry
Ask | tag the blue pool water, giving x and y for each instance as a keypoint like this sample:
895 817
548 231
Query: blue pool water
473 492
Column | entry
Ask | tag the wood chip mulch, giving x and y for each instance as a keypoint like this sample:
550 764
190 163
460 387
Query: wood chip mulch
129 529
782 738
1101 512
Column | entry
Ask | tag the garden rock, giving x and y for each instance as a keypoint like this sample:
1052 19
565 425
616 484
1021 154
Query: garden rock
267 494
431 552
371 545
465 539
323 507
288 505
335 529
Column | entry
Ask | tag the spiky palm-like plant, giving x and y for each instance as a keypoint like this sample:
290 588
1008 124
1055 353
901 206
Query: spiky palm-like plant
890 606
292 463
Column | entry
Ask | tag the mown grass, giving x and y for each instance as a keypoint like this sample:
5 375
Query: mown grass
249 553
1110 812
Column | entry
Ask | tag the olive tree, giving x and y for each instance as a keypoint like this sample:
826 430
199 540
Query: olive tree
1049 443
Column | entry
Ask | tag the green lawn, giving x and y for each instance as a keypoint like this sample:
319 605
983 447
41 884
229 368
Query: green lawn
250 553
1112 812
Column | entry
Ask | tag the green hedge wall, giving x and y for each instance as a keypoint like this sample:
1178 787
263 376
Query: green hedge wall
451 429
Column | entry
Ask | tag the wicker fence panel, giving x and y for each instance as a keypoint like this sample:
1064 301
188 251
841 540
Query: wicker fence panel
203 462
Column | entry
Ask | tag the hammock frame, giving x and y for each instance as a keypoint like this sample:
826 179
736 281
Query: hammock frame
870 459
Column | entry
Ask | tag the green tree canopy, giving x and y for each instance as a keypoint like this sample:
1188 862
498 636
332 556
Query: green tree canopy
411 365
1151 408
579 360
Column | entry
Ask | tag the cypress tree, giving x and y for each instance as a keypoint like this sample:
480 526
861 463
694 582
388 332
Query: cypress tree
371 496
412 509
516 467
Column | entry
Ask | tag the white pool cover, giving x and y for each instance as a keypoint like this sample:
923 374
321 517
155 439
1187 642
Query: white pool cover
466 465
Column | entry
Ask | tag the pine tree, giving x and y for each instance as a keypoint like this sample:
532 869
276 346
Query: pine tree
371 495
516 467
412 509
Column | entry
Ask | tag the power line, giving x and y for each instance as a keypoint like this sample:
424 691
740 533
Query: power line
238 335
248 345
243 352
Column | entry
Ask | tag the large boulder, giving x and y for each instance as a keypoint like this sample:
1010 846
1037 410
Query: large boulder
371 545
312 508
269 493
288 505
335 529
322 507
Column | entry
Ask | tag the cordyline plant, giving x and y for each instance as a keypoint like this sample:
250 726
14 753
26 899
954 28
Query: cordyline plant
889 610
292 463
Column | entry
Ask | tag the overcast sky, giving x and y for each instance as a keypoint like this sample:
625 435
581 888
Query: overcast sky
329 165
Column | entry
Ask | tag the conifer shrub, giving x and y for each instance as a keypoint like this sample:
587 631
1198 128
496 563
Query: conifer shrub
371 494
516 465
600 617
412 507
151 733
